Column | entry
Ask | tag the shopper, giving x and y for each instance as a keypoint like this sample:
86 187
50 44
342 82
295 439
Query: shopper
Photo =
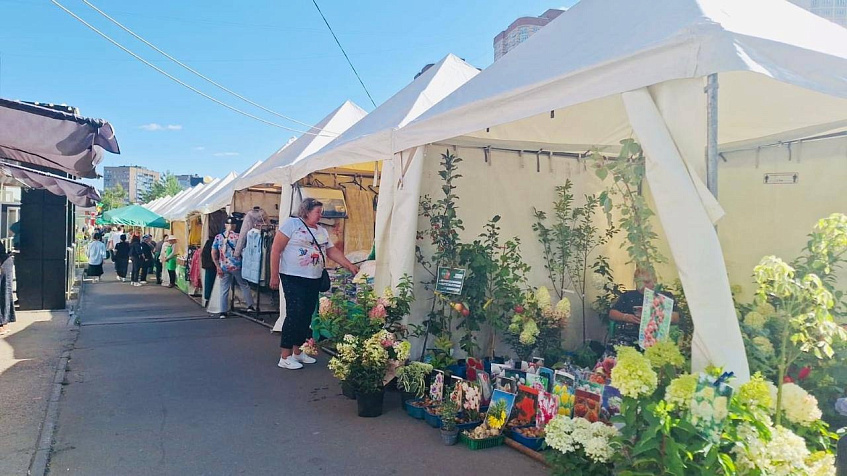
152 244
169 260
136 255
157 259
210 270
147 250
229 266
96 255
298 258
121 258
7 276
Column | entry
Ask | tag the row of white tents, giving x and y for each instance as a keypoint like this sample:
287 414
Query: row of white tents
605 71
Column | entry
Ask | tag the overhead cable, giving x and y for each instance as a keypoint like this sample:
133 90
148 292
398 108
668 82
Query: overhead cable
345 54
193 71
184 84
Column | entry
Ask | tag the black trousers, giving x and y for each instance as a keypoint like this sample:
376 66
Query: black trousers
209 282
172 276
301 299
139 270
157 265
121 265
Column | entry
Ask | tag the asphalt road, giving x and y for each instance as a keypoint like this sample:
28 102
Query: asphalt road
155 387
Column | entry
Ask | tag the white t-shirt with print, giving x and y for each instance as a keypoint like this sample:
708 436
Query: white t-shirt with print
301 257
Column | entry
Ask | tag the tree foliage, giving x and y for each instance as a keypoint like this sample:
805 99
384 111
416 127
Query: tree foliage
168 185
114 197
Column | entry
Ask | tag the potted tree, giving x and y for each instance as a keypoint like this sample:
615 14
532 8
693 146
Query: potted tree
449 430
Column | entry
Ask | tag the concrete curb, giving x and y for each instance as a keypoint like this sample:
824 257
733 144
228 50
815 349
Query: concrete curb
41 458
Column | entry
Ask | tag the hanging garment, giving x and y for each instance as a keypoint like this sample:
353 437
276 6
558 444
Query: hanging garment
194 270
251 257
252 219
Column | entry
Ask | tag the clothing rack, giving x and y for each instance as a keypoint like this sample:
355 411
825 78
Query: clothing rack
268 231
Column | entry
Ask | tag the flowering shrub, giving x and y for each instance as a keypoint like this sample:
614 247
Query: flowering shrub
633 374
579 447
369 363
537 323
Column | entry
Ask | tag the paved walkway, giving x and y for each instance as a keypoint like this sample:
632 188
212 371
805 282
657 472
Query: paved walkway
158 388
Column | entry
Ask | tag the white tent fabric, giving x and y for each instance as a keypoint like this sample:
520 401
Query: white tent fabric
223 197
609 69
323 132
175 210
196 205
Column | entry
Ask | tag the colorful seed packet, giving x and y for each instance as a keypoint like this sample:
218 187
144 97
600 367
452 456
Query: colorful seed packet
548 407
564 386
536 381
456 394
611 404
508 398
436 389
526 403
655 318
709 407
587 405
484 383
506 384
518 375
549 374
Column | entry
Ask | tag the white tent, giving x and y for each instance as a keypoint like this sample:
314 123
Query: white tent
214 188
319 136
609 69
174 210
223 197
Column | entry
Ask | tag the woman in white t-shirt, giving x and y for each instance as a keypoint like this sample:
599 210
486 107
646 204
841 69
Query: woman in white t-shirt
298 256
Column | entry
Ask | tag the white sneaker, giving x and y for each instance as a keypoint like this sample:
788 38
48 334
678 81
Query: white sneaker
289 363
303 358
143 282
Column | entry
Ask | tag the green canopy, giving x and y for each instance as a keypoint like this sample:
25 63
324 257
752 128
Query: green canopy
134 215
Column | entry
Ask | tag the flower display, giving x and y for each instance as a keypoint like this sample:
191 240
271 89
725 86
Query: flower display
325 306
755 393
633 376
784 454
663 353
570 435
542 297
378 313
755 320
366 362
310 347
681 390
529 333
764 345
799 406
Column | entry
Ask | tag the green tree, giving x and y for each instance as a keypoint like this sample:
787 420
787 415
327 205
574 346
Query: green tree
168 185
114 197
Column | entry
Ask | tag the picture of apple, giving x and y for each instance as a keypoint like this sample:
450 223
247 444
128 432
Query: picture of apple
466 312
519 309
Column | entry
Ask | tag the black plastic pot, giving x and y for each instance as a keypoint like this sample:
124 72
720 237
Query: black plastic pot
347 390
370 404
450 437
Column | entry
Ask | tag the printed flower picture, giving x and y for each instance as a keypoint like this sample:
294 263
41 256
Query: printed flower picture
709 407
548 407
436 389
655 318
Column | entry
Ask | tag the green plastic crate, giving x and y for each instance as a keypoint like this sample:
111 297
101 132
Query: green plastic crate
490 442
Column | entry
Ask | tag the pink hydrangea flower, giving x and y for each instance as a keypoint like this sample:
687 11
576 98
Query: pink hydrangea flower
378 313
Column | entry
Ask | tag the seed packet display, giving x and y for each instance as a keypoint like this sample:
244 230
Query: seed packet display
536 381
470 399
587 405
548 407
508 398
436 389
456 394
709 407
519 376
549 375
564 386
611 404
589 386
484 383
526 403
655 318
506 384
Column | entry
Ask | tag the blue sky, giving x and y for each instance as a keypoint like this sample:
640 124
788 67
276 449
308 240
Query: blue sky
277 53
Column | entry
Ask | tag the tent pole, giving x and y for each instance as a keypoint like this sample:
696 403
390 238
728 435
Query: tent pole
712 134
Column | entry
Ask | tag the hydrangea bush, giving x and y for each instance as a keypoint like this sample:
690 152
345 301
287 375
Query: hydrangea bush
579 446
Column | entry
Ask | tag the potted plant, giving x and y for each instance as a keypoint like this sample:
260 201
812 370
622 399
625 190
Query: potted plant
366 364
449 430
411 380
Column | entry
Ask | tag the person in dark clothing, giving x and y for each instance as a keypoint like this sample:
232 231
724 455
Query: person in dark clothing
157 262
209 268
137 256
121 252
147 251
627 310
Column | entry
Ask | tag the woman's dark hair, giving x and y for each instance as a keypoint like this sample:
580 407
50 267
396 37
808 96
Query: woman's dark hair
98 236
123 237
135 239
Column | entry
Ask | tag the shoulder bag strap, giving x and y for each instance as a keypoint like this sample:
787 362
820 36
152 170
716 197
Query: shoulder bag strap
315 241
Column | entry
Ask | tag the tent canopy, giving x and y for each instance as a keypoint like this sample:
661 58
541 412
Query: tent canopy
78 193
322 133
369 140
134 215
612 69
47 137
223 197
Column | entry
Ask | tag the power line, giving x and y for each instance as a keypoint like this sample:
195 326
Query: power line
193 71
180 82
345 54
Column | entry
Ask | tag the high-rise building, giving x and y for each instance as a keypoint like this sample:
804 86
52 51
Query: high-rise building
520 30
833 10
136 180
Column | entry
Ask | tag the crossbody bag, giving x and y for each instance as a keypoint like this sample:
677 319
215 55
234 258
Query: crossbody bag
325 283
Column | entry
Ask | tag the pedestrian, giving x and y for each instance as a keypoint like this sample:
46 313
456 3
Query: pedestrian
115 237
7 302
122 258
152 244
147 251
157 261
209 268
136 255
96 255
229 266
298 259
169 260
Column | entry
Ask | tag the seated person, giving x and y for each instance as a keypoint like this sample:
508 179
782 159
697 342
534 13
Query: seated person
626 312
